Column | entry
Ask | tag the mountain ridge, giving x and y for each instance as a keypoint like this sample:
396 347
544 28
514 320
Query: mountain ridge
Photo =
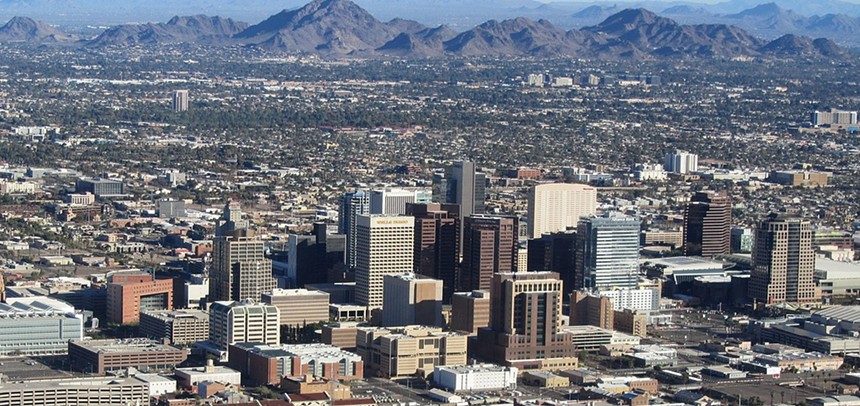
341 28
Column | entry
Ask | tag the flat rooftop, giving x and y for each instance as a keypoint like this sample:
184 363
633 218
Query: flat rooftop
131 345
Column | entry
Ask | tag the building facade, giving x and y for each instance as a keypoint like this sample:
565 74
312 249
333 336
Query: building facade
489 247
384 247
681 162
470 311
481 377
555 207
240 269
102 356
238 322
180 327
299 307
783 262
409 299
402 352
38 327
352 205
607 254
708 225
525 323
130 295
270 364
437 243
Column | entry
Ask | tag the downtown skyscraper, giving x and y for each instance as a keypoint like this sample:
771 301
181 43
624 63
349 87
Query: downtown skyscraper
783 262
708 225
352 205
607 254
384 246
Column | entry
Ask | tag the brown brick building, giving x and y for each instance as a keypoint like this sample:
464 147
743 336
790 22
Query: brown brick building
102 356
128 294
437 243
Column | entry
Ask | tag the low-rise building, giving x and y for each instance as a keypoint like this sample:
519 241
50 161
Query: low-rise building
545 379
76 391
102 356
192 377
269 364
38 326
482 377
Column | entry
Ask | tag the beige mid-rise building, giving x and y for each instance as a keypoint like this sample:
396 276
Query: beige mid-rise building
405 351
410 299
239 322
299 307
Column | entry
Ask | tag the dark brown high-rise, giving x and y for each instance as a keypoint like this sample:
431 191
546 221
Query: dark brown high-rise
708 225
437 243
489 247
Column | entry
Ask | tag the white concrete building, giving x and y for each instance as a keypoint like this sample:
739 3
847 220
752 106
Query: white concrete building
644 299
475 377
681 162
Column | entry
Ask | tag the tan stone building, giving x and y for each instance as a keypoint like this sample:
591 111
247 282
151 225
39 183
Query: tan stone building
405 351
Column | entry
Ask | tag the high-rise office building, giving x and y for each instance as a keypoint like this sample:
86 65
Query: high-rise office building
681 162
352 205
410 299
180 101
708 225
607 253
556 207
437 243
489 247
240 269
525 323
394 201
314 258
783 262
384 246
555 252
463 185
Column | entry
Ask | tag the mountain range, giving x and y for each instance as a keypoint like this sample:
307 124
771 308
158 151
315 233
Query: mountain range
340 28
